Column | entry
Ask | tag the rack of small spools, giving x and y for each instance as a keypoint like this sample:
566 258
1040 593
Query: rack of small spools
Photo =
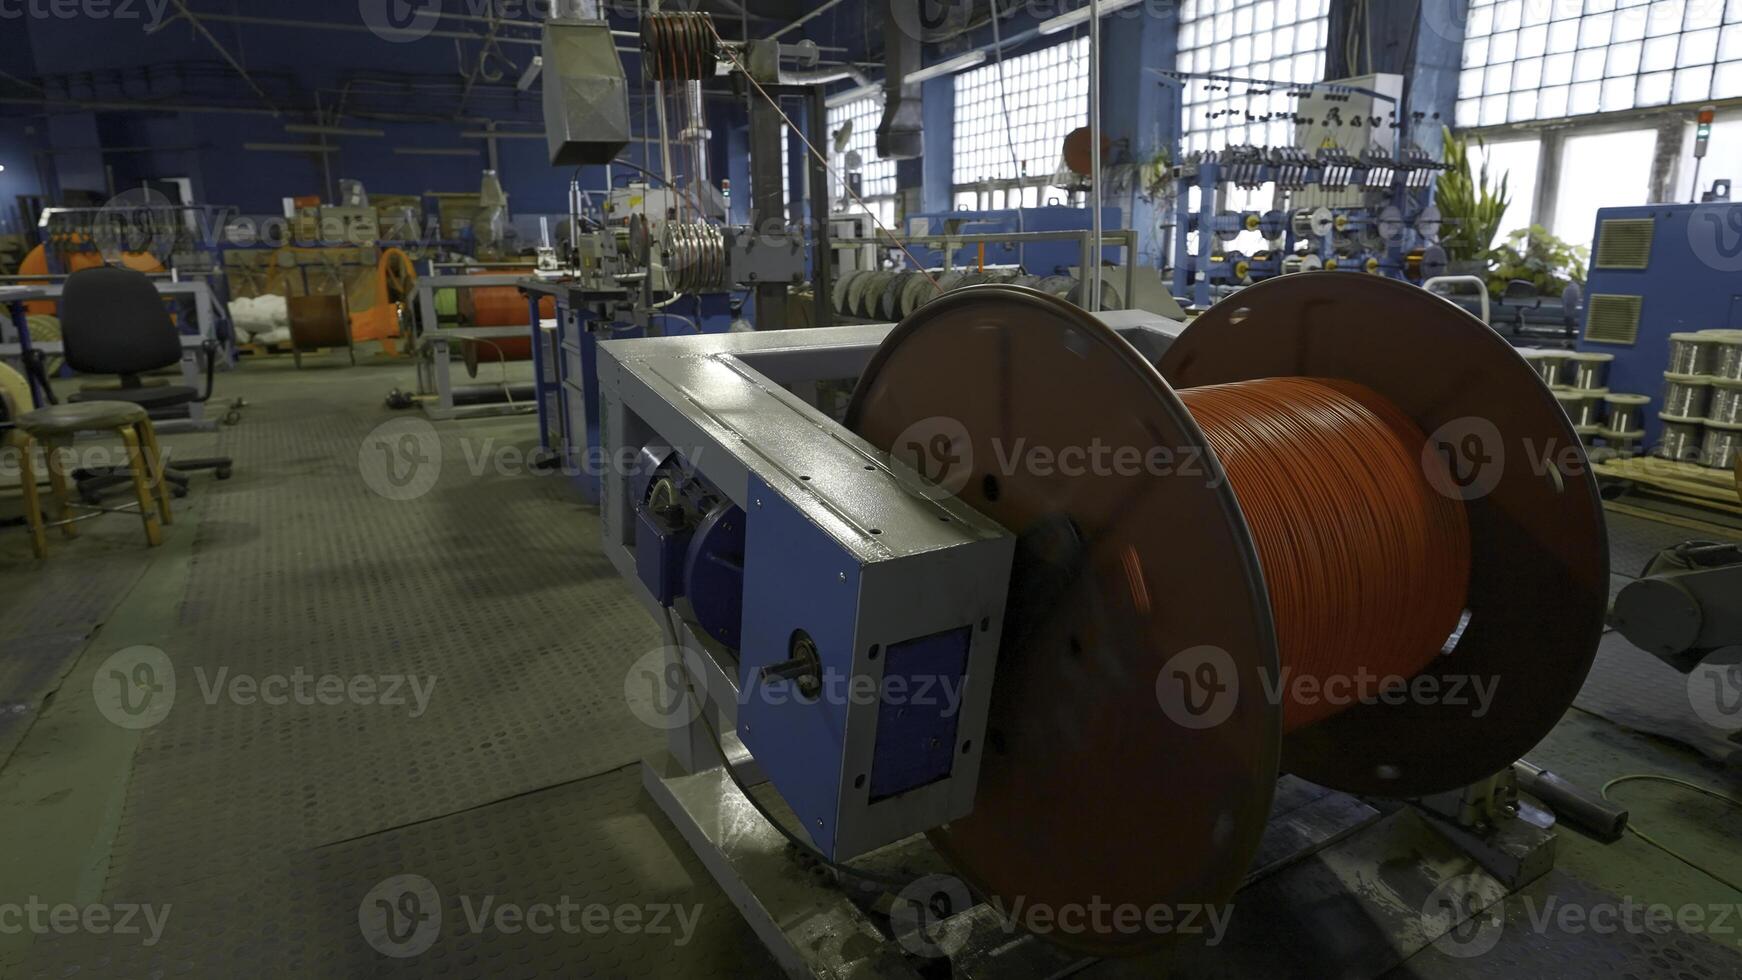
1695 455
1394 232
1600 417
1701 417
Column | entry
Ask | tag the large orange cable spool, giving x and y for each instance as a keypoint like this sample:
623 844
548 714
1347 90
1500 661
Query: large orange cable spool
1367 564
1317 517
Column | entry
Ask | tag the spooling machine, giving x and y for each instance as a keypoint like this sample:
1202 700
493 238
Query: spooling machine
1141 557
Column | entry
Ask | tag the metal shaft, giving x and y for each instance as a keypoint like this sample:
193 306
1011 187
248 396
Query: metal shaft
1094 270
697 134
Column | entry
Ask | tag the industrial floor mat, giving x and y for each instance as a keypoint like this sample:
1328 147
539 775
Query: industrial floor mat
581 880
352 658
50 607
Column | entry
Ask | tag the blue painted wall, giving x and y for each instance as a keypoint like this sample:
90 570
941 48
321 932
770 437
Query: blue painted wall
98 65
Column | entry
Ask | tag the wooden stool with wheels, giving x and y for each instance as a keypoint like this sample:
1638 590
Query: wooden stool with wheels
53 431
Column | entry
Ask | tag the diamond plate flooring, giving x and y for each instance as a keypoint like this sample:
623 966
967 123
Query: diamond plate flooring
592 844
49 609
488 591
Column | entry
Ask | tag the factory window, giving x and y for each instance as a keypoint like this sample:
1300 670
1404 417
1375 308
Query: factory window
1263 40
1017 129
1623 179
1535 59
1517 161
877 176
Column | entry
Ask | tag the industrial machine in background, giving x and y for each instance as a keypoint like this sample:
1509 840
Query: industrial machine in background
143 230
1044 248
1349 194
1105 636
1665 306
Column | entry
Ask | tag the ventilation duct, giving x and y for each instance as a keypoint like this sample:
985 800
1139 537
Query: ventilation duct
586 99
898 134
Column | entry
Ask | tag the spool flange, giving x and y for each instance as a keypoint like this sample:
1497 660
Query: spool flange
1075 720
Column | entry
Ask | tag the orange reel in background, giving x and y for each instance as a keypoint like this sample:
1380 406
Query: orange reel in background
502 306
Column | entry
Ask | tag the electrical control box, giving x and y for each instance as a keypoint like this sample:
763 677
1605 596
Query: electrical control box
1351 123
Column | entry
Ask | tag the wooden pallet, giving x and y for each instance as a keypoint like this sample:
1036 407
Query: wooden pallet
265 350
1686 482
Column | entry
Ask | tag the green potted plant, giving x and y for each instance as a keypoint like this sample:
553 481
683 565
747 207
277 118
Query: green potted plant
1472 207
1536 256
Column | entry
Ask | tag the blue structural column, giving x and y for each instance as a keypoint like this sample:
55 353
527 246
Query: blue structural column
1137 114
1422 40
936 171
1433 73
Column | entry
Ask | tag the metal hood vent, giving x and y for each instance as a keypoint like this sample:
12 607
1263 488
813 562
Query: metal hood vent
586 98
898 133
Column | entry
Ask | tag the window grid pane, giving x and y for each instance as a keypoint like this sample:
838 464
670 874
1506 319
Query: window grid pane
1046 94
1526 60
1286 39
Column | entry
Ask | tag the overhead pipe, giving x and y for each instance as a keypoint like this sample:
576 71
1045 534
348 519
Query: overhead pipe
815 12
195 23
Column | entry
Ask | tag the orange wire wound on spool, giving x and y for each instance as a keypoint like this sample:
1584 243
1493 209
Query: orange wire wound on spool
1367 565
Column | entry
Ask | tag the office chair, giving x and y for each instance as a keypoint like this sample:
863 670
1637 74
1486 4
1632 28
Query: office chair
113 322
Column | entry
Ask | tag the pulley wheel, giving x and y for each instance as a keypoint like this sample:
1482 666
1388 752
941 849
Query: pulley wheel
1091 791
842 289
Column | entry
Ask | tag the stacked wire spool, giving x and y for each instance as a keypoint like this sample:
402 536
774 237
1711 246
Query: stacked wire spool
1580 383
695 256
1702 399
679 46
1317 504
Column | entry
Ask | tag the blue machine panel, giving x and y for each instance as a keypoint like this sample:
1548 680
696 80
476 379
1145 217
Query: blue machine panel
1693 282
916 720
796 578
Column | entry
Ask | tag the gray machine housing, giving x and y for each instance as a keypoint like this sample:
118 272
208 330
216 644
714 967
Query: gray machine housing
843 543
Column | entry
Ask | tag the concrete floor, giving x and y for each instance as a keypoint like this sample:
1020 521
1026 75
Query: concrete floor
239 835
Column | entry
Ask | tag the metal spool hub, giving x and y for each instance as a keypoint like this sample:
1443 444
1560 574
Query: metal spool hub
1095 792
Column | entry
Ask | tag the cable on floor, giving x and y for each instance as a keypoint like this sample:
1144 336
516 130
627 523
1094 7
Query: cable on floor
1654 842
